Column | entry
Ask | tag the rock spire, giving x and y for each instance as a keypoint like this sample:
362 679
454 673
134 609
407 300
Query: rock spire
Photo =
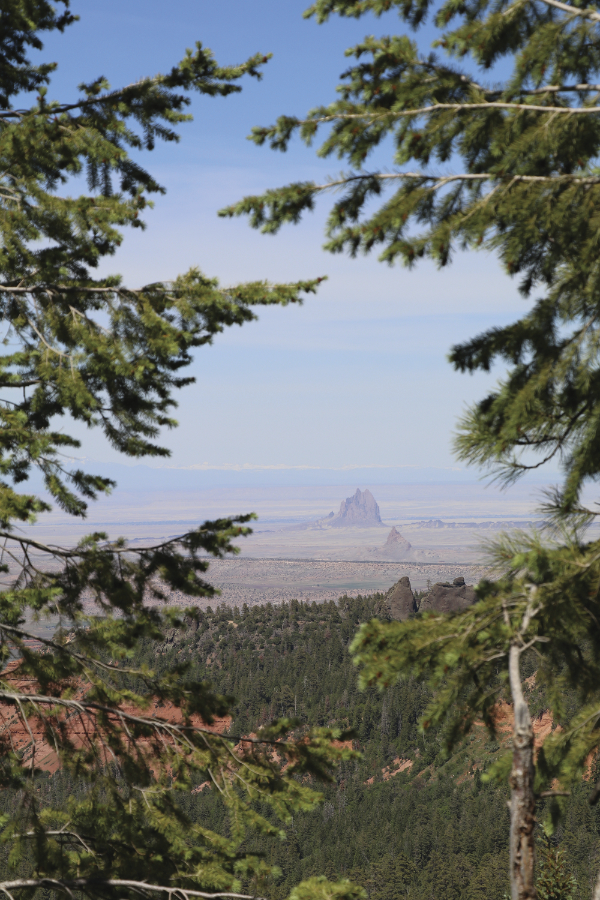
359 510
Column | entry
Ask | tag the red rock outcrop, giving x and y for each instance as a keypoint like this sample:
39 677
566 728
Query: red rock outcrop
79 729
397 766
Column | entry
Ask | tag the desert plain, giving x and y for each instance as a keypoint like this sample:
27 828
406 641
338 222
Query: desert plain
292 553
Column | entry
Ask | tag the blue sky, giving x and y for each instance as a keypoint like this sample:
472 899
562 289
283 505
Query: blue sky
357 375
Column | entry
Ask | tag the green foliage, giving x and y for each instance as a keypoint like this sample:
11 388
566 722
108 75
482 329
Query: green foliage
267 649
108 355
408 835
112 357
554 881
319 888
547 602
508 166
390 837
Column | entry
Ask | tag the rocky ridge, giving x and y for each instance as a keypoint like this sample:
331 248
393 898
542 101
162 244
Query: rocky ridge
444 597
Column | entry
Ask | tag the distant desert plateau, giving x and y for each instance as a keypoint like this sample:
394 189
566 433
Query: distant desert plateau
312 543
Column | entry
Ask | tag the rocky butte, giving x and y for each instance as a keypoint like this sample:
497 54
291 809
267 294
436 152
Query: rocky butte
361 509
396 546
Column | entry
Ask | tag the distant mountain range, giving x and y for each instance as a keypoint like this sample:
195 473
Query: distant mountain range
202 477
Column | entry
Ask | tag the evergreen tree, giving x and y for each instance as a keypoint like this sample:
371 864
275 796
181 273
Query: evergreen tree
112 356
510 166
554 881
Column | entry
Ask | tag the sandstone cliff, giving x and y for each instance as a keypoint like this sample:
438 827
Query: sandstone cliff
31 738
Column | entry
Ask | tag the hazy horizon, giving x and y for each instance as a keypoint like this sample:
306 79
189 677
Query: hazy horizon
358 374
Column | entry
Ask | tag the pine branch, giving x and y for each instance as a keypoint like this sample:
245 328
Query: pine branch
119 93
249 67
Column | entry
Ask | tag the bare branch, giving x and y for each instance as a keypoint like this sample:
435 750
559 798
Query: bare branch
442 180
60 833
174 730
142 886
458 107
586 13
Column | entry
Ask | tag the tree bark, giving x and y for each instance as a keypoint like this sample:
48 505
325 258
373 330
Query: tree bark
522 802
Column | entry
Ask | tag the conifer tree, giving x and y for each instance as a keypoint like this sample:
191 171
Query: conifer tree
112 356
554 881
510 166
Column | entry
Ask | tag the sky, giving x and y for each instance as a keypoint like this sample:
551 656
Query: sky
357 376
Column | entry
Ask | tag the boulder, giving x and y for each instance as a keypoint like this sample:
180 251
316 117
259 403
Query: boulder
445 597
400 601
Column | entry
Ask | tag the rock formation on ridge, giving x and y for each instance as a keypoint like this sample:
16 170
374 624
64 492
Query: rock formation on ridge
446 597
400 601
359 510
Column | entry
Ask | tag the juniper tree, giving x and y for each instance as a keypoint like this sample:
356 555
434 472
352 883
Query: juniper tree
112 356
509 166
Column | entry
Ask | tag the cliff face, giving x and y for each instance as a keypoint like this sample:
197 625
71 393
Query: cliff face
360 509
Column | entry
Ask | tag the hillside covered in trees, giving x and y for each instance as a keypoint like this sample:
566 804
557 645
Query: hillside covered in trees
403 820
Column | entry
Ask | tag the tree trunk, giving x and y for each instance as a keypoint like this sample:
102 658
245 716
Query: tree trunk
522 802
